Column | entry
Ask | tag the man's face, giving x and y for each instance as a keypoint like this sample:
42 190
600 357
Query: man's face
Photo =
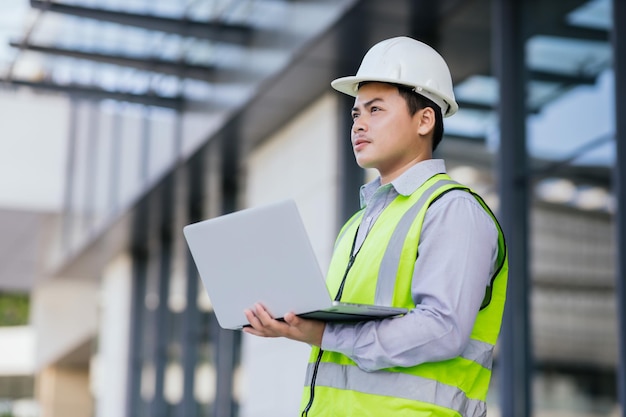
384 135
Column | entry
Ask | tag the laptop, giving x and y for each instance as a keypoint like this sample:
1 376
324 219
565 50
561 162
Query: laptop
263 255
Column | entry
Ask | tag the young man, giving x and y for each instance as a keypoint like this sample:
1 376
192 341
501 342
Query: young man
420 241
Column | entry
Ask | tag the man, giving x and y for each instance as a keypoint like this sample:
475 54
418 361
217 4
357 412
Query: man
420 241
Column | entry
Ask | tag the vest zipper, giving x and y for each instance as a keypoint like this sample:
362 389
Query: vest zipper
345 275
305 412
353 254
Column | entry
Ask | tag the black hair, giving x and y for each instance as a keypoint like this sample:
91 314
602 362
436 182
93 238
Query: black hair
416 102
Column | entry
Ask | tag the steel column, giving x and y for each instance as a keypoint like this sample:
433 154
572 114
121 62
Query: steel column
226 343
91 170
146 140
351 176
115 166
619 66
509 66
68 222
137 321
158 405
194 180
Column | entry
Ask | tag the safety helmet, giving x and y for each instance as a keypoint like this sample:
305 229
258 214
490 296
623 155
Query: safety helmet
406 61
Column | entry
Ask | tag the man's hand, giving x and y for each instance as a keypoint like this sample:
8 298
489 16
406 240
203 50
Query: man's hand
295 328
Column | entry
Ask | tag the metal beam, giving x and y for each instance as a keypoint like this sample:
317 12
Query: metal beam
509 65
575 32
559 165
146 63
215 31
473 105
560 78
93 93
619 67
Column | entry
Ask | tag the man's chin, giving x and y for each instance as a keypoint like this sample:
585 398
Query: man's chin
364 162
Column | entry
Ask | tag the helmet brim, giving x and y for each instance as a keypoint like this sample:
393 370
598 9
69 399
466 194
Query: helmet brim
350 86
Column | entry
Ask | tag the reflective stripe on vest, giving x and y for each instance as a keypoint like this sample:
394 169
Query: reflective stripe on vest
479 352
398 385
379 383
391 260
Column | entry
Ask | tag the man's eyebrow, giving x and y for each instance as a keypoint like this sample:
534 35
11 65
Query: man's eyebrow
368 103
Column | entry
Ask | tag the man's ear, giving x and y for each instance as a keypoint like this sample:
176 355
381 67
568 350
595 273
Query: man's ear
426 121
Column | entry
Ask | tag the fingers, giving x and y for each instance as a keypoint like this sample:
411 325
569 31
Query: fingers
293 327
263 315
252 318
263 324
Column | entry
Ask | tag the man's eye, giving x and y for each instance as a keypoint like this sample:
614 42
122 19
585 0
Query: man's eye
374 109
354 116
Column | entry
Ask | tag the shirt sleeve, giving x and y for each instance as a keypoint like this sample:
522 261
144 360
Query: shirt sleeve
457 253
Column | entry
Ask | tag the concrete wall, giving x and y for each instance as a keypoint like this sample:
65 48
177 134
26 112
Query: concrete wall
64 392
299 162
33 151
64 316
110 365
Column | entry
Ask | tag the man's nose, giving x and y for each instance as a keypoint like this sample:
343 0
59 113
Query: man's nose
359 124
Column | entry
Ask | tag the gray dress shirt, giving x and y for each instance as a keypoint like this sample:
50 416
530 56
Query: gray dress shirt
457 254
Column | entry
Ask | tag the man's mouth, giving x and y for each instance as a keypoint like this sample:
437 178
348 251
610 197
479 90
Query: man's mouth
359 143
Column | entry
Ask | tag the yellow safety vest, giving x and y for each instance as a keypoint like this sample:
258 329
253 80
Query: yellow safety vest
335 386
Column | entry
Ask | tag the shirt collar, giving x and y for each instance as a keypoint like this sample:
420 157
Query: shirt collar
407 183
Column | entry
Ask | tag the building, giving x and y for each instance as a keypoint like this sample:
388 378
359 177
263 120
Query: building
173 111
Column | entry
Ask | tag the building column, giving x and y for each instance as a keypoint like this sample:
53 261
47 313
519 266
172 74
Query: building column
350 175
618 35
514 359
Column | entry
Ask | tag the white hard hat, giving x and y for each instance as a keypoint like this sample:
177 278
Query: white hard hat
409 62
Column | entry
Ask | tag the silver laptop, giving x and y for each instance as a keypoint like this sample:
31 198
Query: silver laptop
263 255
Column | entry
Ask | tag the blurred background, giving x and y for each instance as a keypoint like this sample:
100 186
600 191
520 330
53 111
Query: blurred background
123 121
